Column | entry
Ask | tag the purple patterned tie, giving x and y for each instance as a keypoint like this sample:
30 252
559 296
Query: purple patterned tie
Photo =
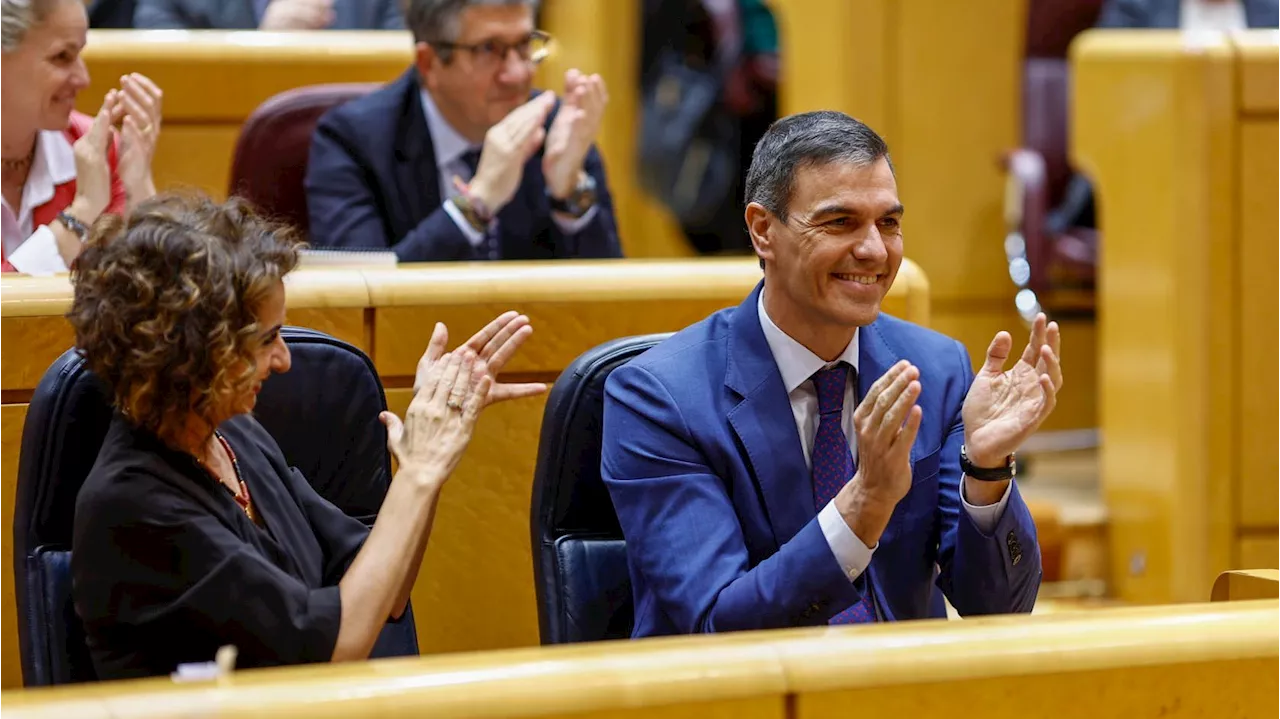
833 464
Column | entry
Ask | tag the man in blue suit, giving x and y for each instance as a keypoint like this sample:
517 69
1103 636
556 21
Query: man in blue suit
802 458
454 161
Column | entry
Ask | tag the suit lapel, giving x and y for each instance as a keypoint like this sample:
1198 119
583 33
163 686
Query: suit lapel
417 177
875 356
765 425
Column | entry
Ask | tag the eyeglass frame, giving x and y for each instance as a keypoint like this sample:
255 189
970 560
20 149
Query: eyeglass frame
506 48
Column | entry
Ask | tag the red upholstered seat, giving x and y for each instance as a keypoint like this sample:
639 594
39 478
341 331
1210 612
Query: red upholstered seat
271 154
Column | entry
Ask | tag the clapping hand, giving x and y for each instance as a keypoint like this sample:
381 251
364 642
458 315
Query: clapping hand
1004 407
493 346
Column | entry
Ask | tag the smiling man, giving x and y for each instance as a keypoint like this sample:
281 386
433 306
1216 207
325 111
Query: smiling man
459 159
804 459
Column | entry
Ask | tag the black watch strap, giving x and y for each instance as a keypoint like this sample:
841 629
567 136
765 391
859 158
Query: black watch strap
987 474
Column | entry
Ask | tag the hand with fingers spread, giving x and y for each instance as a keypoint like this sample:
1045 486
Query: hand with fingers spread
886 422
136 110
494 345
573 131
507 146
441 417
1003 407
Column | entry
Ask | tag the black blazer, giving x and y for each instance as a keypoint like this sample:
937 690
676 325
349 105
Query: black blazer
166 567
240 15
372 182
1167 14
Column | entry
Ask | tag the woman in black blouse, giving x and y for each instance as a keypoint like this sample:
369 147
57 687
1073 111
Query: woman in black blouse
191 531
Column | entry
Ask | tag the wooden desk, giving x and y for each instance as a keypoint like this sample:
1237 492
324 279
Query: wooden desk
1215 660
475 590
1179 132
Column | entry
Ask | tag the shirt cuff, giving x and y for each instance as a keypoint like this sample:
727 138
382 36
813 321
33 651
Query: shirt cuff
986 517
574 226
473 236
38 254
850 552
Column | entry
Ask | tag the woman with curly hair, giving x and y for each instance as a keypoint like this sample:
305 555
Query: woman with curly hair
191 531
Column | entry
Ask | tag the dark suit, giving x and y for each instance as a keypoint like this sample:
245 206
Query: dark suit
1166 14
372 182
706 471
241 15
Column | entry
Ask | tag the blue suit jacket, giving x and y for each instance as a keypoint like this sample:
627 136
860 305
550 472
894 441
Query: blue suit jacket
372 182
1167 14
241 15
704 464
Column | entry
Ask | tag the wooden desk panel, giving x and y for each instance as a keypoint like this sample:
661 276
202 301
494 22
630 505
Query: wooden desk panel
1256 371
12 417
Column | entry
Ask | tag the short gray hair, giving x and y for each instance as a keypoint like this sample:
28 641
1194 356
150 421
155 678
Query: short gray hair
804 140
438 20
17 17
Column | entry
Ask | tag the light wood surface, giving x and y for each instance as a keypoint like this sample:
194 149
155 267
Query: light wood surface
476 587
1207 660
1186 172
1242 584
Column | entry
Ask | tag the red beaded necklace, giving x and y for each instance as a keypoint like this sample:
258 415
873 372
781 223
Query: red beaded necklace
243 499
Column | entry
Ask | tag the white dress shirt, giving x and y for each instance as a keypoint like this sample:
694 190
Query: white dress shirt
450 146
1221 15
797 366
34 251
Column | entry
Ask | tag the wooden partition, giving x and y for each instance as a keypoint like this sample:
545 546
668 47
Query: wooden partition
213 80
1243 584
941 82
1179 133
475 590
1216 660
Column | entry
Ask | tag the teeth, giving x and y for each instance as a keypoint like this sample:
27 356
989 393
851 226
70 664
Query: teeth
860 279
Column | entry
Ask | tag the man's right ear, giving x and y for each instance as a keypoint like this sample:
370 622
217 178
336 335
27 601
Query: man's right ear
759 226
426 60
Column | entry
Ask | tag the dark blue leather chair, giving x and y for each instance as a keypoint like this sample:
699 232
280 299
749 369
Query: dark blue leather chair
320 412
580 569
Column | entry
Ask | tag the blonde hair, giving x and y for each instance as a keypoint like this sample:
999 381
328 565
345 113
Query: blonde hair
17 17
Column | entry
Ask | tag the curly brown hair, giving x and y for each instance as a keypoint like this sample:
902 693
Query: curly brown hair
165 302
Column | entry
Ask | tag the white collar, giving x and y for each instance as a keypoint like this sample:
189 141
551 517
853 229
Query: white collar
796 363
53 164
449 144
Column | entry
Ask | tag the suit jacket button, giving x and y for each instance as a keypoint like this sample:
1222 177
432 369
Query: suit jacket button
1015 549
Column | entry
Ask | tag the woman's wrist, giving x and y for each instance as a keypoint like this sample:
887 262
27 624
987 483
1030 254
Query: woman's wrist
141 190
84 210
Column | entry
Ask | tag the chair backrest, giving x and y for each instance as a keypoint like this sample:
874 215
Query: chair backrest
579 556
323 413
1051 25
271 154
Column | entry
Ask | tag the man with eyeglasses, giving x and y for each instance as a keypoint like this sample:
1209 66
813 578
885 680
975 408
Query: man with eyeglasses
459 159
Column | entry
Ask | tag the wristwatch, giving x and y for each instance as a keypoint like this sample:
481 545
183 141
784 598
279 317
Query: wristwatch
76 226
476 213
987 474
580 200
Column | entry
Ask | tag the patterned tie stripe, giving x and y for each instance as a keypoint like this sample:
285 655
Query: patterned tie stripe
833 463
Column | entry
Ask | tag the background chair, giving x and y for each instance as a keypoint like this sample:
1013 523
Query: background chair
271 153
1054 271
579 556
323 412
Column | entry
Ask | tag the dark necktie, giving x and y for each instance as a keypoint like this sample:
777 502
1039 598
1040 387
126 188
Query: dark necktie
489 246
833 464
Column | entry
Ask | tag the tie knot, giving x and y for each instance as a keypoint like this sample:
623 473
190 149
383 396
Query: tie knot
471 158
830 385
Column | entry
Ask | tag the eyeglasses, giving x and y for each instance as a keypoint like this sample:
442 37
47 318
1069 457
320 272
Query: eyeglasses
489 54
